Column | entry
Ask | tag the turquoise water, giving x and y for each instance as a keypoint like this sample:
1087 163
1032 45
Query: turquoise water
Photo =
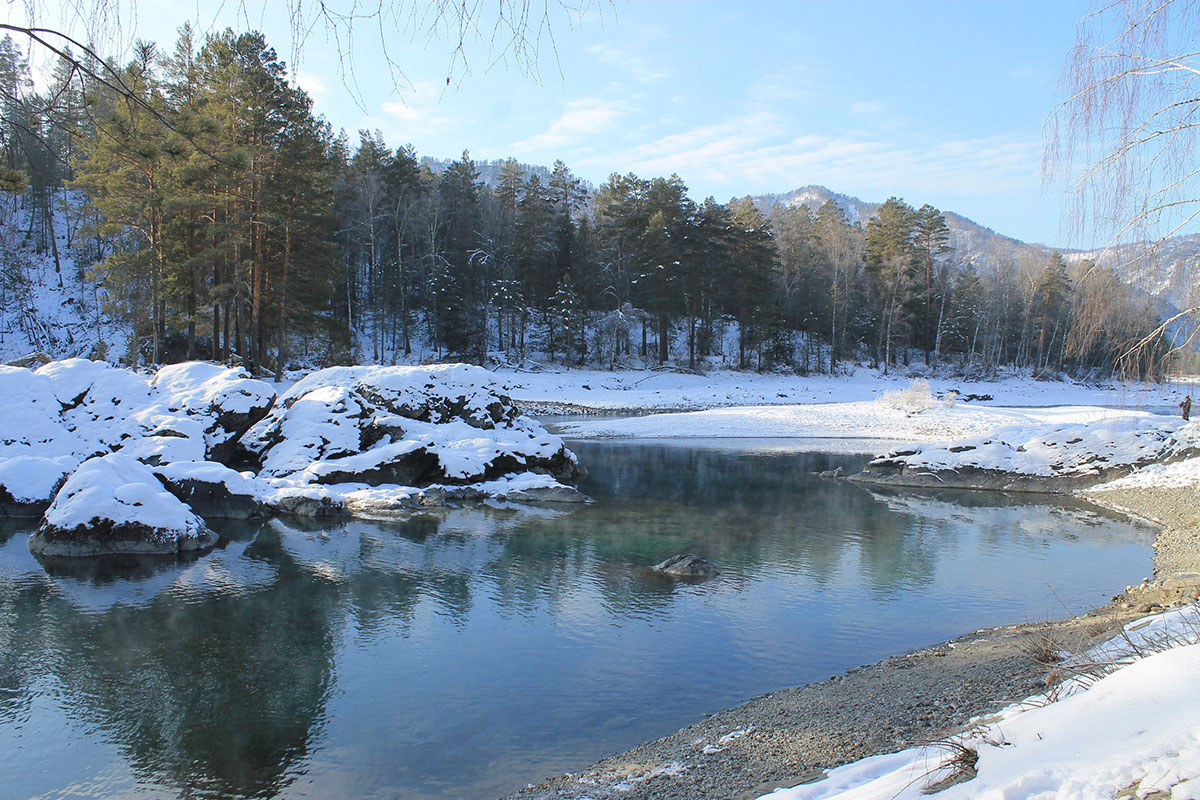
465 654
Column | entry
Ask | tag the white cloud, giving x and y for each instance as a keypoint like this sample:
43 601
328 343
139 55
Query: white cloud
869 108
418 114
582 120
316 88
631 56
759 151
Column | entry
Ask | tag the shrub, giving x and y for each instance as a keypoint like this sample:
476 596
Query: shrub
911 400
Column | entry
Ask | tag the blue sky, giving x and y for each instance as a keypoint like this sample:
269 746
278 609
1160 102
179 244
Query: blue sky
938 102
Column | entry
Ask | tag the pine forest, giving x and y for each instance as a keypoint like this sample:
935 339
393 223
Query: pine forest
214 214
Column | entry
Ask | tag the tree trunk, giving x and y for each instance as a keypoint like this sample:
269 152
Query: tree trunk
281 335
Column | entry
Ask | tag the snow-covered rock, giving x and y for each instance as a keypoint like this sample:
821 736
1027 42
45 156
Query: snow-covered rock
214 490
1040 458
366 441
28 483
115 504
307 501
227 402
97 399
81 408
33 421
156 435
406 426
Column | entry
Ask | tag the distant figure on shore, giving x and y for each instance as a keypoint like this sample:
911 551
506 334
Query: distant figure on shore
1186 406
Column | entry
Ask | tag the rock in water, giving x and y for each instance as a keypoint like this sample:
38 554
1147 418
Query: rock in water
214 490
687 565
29 483
115 504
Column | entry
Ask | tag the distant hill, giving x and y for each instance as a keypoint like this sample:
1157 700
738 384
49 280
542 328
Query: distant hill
1169 272
489 171
983 247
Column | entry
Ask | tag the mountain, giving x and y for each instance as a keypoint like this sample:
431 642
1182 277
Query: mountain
978 245
1168 271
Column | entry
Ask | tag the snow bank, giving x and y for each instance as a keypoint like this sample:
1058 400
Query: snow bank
675 391
861 426
1133 733
115 504
1158 476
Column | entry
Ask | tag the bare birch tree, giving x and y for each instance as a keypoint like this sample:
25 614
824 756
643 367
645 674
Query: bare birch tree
1127 138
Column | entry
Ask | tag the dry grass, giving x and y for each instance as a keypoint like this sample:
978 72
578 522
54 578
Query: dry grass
958 766
1043 648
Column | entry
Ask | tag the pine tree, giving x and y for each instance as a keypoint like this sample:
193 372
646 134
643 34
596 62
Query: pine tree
753 260
966 314
1051 309
123 170
931 241
840 245
890 259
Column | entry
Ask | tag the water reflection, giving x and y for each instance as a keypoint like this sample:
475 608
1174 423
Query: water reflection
466 652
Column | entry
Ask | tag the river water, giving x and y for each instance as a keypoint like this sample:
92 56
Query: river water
464 654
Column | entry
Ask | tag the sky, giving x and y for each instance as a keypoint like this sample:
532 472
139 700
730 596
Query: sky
935 102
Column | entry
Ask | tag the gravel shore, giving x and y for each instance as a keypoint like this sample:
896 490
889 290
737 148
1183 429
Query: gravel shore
793 736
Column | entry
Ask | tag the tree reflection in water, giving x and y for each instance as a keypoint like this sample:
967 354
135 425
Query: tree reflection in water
464 652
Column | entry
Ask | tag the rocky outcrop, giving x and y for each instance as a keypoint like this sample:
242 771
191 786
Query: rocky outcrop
114 504
157 455
227 402
214 490
410 426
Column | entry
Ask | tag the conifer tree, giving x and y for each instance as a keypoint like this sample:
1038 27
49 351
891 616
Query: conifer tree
931 241
890 258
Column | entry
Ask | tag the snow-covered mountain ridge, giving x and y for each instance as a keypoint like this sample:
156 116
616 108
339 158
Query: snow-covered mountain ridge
1167 273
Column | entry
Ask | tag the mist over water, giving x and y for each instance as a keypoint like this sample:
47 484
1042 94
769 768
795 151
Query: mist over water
468 652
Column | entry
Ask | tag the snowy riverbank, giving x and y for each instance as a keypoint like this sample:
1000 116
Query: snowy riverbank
862 412
832 739
934 711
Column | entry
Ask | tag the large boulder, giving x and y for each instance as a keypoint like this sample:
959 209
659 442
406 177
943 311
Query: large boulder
214 490
97 400
408 426
33 414
156 435
115 504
